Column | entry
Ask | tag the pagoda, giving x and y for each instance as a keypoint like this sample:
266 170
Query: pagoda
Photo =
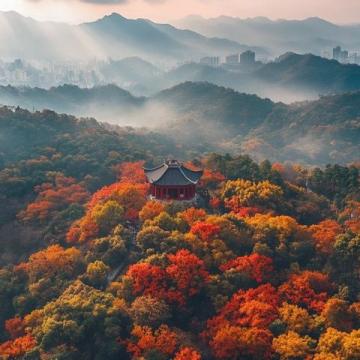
172 181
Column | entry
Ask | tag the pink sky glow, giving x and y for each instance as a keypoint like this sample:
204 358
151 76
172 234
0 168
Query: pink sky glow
345 11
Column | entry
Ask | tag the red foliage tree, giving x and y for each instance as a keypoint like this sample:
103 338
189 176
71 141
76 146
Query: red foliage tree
205 231
247 211
257 267
350 216
310 289
188 273
148 279
181 279
252 308
15 327
211 179
215 202
280 168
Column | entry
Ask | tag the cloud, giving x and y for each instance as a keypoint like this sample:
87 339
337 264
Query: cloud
100 2
106 2
113 2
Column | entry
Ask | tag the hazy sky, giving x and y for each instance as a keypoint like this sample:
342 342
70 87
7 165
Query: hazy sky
340 11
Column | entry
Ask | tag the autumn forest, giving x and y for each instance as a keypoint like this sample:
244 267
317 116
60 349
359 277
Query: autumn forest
265 265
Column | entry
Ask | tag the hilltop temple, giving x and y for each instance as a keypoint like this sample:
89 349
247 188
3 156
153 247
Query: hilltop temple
173 181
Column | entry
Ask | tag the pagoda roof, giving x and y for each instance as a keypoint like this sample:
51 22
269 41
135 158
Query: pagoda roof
172 173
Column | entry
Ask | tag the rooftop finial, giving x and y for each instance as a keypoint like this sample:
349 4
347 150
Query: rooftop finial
173 163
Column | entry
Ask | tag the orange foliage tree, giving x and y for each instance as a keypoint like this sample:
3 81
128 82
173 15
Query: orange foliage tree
162 340
187 353
232 342
50 262
54 197
324 235
132 172
192 215
129 197
82 230
151 210
337 314
18 347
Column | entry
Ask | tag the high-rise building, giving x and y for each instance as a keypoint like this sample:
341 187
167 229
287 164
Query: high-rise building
337 53
340 55
344 56
210 60
247 58
232 59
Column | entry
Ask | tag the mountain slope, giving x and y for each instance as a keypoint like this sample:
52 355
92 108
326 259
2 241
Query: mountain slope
218 105
112 36
308 35
313 72
290 77
106 102
25 38
209 117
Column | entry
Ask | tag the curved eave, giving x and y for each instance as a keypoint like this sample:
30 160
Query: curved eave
154 168
163 175
187 178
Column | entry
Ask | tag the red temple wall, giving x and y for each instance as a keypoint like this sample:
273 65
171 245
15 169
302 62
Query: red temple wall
173 192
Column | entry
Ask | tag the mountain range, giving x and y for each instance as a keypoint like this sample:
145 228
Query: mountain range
112 36
291 77
309 35
217 118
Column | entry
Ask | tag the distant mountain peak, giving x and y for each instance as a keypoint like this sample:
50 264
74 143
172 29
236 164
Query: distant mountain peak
15 16
316 19
286 56
113 17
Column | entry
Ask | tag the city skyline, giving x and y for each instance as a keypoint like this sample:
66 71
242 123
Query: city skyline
75 11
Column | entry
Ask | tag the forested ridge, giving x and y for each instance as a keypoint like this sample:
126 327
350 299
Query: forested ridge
265 266
217 118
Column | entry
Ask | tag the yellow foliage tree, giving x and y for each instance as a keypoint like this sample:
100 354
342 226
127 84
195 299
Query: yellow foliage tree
296 319
239 193
291 345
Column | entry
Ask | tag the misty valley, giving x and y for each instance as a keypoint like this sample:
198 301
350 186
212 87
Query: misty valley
204 117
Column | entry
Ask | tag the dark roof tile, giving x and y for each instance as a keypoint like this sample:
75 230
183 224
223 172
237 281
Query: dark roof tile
172 173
